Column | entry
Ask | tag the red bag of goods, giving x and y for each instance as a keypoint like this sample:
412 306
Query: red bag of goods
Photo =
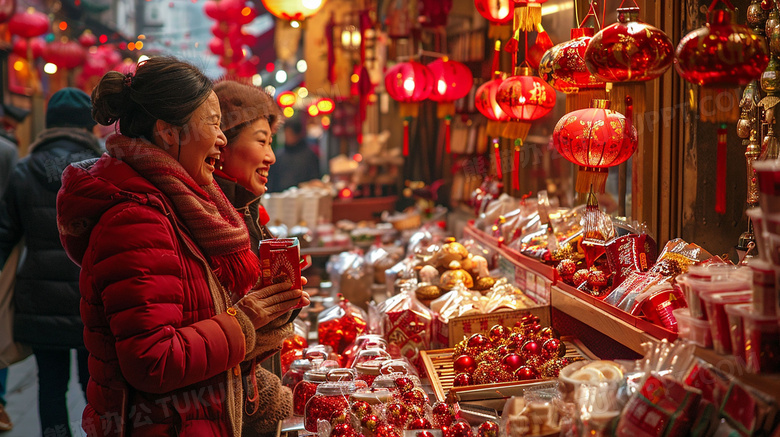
662 407
407 324
339 325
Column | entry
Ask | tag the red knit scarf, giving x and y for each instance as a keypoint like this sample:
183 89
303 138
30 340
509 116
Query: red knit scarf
213 222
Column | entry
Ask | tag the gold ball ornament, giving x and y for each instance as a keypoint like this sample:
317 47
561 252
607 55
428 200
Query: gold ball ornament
428 292
484 284
451 277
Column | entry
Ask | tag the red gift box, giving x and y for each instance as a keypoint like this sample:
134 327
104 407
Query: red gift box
280 260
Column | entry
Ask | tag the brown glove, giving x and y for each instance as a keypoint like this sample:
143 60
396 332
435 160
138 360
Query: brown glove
274 404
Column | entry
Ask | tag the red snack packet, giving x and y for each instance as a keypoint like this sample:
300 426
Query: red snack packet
662 407
280 259
626 255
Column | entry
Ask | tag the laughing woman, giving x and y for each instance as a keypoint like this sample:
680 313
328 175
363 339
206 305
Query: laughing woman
167 270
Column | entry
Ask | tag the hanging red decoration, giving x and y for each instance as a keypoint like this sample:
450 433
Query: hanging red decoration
87 39
409 83
7 10
485 98
595 138
217 46
563 66
65 54
528 14
293 10
451 81
29 24
629 50
496 11
524 98
38 45
541 45
722 55
433 13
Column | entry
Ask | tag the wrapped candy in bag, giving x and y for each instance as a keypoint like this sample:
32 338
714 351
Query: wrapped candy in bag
407 324
339 325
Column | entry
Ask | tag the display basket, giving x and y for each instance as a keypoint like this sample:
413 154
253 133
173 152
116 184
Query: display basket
440 371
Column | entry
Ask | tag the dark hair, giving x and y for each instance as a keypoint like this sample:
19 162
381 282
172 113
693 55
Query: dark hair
295 125
162 88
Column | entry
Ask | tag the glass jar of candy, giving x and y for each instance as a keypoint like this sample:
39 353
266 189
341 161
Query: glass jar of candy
330 398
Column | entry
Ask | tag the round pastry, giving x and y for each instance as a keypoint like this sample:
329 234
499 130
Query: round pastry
428 292
610 370
451 277
484 283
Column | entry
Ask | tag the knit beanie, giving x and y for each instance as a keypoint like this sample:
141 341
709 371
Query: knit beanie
69 107
241 103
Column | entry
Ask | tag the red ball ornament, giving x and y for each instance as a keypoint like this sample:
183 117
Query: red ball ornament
498 333
488 355
415 396
595 138
488 429
443 414
465 364
548 332
597 279
496 11
526 319
387 430
416 411
533 361
566 268
459 429
526 373
29 24
553 348
516 341
370 422
396 414
360 409
343 430
502 350
531 347
477 344
513 361
404 383
732 56
563 66
531 331
462 380
339 417
580 277
421 423
629 50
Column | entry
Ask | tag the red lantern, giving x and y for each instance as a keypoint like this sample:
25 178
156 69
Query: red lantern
29 24
629 50
293 10
87 39
563 66
38 45
65 54
109 55
722 54
409 83
485 101
595 138
217 46
524 98
7 9
528 13
451 81
127 65
496 11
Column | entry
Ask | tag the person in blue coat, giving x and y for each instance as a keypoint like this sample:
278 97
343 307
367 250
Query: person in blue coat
46 296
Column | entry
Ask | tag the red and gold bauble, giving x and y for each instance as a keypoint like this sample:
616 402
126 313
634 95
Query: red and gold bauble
477 344
488 429
462 379
459 429
343 430
405 384
444 414
513 361
595 139
29 24
360 409
548 332
293 10
516 341
370 422
387 430
498 333
396 414
465 364
526 373
421 423
415 396
580 277
566 268
553 348
531 347
629 50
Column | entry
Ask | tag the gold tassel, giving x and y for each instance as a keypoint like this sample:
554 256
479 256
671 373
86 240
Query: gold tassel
591 177
443 109
409 109
718 105
494 128
516 130
528 16
581 99
501 32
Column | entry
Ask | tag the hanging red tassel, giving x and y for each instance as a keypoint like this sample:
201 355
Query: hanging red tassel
497 151
406 137
516 179
720 172
447 122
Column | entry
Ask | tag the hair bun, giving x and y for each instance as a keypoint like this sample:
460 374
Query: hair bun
109 98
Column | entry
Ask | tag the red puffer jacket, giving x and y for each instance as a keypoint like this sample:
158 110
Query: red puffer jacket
164 354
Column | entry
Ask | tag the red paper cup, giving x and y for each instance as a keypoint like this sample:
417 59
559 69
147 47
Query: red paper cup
736 314
762 343
719 322
768 174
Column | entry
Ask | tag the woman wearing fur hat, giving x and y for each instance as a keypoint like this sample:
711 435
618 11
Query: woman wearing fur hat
250 117
46 295
168 276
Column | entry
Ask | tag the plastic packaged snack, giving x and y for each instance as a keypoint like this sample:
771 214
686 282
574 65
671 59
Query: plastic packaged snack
339 325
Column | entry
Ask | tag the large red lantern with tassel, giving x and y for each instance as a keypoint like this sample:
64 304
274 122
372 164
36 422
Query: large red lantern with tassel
7 9
524 98
451 81
595 138
563 66
629 50
409 83
29 24
65 54
87 39
540 47
293 10
37 45
496 11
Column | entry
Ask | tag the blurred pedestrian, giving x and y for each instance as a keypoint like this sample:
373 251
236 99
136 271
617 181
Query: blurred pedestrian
168 272
296 162
46 295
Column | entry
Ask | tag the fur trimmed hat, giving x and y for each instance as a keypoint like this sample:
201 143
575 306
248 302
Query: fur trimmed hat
241 104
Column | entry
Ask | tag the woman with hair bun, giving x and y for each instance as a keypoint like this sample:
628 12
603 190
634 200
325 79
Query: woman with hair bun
168 275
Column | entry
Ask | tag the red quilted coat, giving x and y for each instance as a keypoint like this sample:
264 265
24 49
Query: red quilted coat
164 355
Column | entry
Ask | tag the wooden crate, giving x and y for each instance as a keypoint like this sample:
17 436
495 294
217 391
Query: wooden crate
464 326
440 371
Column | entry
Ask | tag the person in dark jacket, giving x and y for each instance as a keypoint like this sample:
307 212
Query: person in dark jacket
46 296
168 277
296 162
250 117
